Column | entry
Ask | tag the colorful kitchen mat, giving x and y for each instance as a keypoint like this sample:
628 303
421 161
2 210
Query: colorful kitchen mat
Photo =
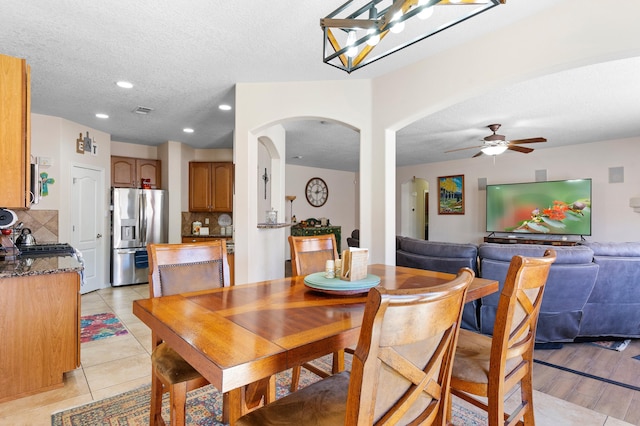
100 326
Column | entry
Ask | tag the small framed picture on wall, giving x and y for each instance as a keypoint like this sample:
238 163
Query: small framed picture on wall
451 194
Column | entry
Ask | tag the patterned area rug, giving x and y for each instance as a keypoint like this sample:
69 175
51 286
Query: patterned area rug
100 326
204 407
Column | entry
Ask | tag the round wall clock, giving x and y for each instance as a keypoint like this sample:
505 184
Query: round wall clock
317 192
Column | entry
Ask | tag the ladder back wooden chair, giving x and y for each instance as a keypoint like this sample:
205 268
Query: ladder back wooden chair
401 367
309 254
173 269
490 367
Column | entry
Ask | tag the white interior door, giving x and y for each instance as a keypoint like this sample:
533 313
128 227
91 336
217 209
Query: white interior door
408 200
87 225
413 214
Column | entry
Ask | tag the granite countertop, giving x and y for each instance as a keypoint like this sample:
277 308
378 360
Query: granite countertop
22 267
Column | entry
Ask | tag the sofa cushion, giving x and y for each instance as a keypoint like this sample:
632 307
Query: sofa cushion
441 257
565 254
613 308
436 256
437 249
631 249
570 283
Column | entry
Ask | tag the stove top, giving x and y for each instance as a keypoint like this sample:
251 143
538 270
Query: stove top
42 250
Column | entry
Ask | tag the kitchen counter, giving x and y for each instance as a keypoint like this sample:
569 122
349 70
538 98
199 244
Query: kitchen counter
41 301
22 267
193 238
206 236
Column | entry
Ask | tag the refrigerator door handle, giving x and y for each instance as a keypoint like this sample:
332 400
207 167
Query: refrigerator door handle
126 251
143 219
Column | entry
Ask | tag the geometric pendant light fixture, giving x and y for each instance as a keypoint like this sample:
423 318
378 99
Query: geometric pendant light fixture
360 32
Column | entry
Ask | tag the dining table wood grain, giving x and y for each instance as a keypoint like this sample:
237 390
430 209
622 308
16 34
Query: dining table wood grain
239 337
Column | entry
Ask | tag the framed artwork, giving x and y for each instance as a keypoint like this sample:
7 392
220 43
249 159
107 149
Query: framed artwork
451 194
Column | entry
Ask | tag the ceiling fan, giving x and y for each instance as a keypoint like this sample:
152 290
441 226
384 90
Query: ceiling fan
497 144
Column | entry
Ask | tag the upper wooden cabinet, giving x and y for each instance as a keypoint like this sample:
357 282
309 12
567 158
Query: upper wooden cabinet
15 132
127 172
210 187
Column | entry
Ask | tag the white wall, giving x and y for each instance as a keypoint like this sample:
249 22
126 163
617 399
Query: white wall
573 33
612 218
569 34
261 106
56 138
126 149
341 204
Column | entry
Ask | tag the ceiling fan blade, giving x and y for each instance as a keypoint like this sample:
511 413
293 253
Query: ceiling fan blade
531 140
478 154
522 149
469 147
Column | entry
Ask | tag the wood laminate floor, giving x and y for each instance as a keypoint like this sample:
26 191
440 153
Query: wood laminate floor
117 364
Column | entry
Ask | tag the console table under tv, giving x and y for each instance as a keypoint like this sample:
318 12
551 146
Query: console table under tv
522 240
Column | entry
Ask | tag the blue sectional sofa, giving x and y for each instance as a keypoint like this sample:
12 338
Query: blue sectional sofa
613 308
441 257
571 280
593 289
436 256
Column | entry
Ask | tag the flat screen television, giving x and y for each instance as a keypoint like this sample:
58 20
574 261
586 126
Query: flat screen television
560 207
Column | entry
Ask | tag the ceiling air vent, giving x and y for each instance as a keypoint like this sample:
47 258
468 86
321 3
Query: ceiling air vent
142 110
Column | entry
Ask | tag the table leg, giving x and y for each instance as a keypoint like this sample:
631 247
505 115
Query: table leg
235 405
248 398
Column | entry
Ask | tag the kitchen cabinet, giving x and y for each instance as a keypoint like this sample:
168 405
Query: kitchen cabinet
40 329
210 187
128 172
15 132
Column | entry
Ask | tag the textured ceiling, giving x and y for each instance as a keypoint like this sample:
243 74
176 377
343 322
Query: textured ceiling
185 56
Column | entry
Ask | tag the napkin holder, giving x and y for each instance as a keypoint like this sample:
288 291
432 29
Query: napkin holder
354 264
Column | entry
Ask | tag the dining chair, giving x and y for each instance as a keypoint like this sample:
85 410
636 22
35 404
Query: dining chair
309 254
490 366
173 269
401 368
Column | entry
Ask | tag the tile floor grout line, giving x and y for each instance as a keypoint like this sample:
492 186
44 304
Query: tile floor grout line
591 376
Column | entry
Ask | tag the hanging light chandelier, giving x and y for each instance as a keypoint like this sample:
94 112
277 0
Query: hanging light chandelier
358 32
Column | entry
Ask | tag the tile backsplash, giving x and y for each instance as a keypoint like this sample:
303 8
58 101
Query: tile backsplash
42 223
189 217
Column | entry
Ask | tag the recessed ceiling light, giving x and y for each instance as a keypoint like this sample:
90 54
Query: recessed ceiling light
224 107
124 84
187 130
100 115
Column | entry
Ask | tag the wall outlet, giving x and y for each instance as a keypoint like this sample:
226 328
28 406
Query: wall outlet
206 220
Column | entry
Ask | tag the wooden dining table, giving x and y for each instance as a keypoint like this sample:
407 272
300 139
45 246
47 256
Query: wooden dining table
241 336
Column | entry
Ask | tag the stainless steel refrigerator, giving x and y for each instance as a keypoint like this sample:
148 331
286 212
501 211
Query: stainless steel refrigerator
138 217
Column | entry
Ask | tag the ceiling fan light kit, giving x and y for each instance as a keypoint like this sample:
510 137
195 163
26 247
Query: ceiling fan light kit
355 34
496 144
494 149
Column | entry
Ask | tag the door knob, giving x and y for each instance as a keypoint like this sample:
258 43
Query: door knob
99 236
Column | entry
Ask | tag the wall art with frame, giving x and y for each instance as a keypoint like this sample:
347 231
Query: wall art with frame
451 194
